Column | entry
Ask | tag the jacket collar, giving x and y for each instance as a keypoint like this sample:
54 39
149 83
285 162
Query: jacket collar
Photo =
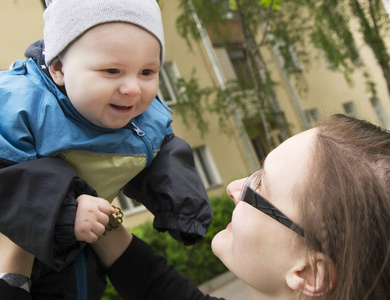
37 51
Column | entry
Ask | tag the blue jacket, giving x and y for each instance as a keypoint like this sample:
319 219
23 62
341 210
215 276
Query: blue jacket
38 121
50 154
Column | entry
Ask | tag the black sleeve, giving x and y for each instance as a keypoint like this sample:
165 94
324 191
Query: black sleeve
8 292
172 190
142 274
38 208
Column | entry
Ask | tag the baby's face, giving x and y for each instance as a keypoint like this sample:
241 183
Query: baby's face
111 73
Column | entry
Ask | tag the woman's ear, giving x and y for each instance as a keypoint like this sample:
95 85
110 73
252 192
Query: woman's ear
56 71
309 278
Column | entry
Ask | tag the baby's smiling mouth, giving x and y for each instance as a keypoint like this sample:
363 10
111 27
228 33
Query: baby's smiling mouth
121 107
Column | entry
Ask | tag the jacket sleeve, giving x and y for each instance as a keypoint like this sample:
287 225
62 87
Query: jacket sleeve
8 292
172 190
142 274
38 208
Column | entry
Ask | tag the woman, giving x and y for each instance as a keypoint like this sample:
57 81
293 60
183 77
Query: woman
328 192
313 223
334 182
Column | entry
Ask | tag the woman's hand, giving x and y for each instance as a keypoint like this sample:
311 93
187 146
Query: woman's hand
14 259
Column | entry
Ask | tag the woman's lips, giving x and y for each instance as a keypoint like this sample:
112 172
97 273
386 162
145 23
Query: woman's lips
229 226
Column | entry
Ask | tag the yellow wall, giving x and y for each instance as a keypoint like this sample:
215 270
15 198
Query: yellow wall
223 147
329 90
21 24
228 152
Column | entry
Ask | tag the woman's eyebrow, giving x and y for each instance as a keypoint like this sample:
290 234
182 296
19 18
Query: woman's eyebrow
262 163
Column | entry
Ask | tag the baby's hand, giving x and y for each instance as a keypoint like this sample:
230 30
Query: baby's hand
91 218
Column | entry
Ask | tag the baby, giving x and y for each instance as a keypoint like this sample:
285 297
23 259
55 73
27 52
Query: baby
80 120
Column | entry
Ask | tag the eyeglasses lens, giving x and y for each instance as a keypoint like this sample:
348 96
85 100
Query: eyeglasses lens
253 182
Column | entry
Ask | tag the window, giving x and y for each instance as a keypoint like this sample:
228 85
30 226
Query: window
380 113
167 89
259 148
225 64
386 4
350 109
238 59
312 116
129 205
332 57
225 7
289 57
205 166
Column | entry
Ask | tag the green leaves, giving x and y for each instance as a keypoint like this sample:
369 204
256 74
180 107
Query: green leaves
197 262
271 3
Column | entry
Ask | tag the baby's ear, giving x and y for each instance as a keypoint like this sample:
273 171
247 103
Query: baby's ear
56 72
308 279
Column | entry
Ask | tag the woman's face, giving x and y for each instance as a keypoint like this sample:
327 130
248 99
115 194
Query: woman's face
255 247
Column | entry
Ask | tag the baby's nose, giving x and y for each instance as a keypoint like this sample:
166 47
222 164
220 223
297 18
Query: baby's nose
130 87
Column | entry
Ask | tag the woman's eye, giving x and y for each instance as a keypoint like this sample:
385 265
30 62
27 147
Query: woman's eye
258 186
146 72
112 71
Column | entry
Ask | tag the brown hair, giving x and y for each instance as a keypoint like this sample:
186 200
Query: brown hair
346 207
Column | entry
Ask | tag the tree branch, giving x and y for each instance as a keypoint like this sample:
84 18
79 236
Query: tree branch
267 18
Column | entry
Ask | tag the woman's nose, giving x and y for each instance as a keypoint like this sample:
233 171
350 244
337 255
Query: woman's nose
234 190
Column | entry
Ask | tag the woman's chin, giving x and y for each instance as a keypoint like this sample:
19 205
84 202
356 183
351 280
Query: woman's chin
219 243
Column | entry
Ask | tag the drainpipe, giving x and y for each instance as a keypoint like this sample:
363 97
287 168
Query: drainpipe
210 53
290 87
286 78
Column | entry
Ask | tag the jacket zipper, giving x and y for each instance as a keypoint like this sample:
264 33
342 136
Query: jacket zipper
81 277
149 149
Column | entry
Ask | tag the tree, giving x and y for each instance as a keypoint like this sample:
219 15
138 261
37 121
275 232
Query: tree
329 25
211 17
333 30
260 75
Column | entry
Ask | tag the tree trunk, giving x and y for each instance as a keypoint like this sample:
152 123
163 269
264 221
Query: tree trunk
372 37
260 75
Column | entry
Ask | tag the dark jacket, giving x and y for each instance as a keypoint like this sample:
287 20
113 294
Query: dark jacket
138 274
141 274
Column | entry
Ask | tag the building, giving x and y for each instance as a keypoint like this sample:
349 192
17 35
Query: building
219 158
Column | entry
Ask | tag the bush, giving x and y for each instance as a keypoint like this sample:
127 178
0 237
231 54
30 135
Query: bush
197 262
110 293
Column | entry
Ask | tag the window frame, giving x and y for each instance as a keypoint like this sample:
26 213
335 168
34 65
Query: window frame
310 113
168 73
240 66
350 109
383 120
296 64
206 167
128 207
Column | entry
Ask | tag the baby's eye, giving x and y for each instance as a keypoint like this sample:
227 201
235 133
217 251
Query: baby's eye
146 72
112 71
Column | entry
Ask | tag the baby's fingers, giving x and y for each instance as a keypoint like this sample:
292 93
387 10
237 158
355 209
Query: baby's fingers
103 218
105 207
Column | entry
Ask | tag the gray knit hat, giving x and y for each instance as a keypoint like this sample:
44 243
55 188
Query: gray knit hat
66 20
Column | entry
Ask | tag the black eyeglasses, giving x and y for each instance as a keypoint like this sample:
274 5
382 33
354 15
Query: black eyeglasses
250 196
